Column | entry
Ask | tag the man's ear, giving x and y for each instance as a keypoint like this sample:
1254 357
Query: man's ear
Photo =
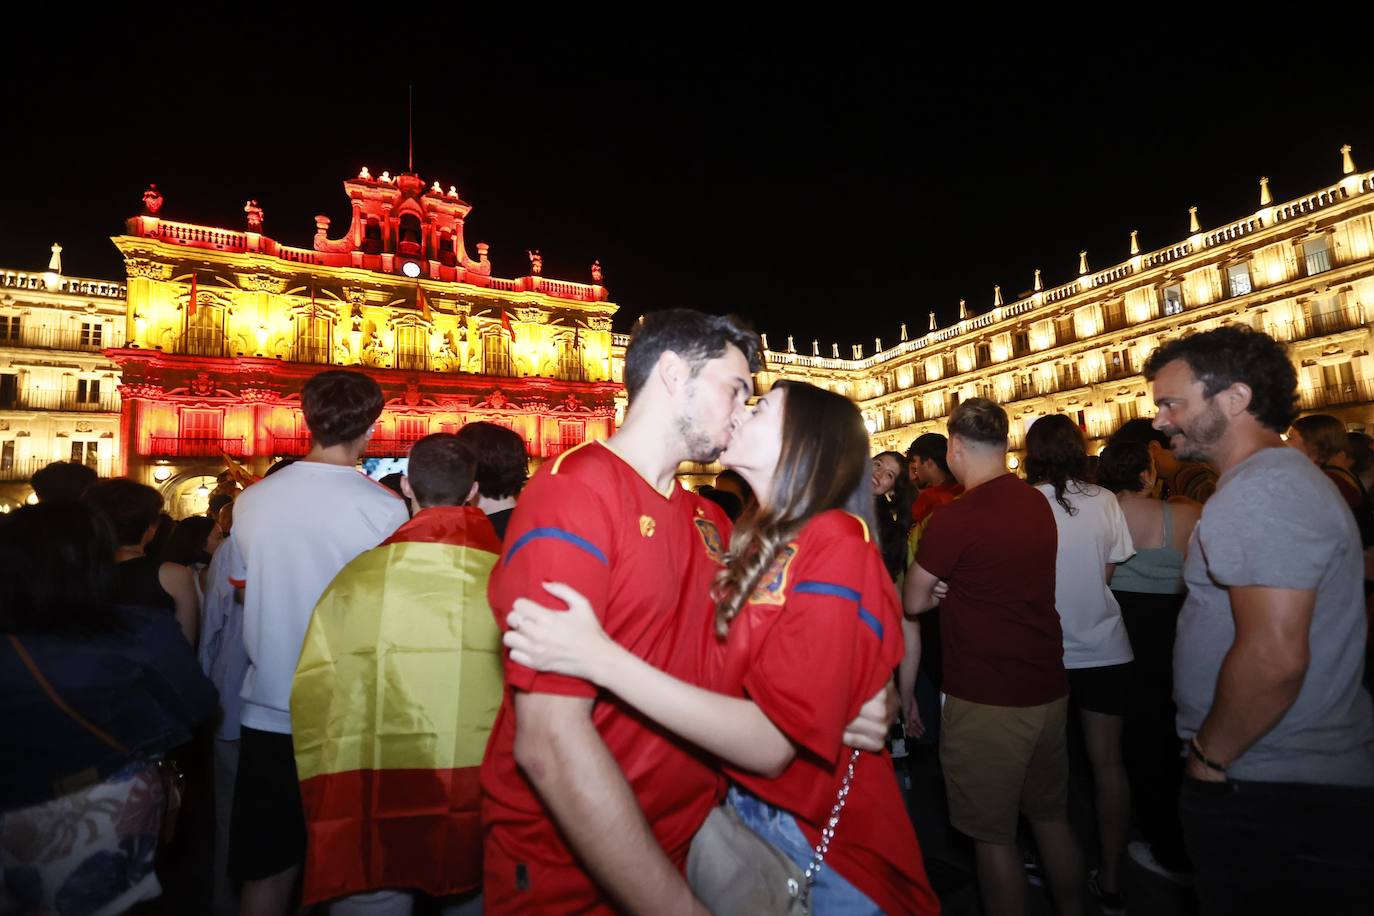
472 495
671 370
405 487
1235 400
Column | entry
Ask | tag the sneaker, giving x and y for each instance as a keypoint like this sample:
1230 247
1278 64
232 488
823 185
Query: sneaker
1110 904
1142 855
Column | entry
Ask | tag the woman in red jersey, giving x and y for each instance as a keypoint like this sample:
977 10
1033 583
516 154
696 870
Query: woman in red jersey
808 626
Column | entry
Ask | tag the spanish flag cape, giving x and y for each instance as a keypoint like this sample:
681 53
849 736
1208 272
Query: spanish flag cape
397 686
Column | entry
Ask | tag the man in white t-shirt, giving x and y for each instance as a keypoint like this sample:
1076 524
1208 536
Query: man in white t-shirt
293 532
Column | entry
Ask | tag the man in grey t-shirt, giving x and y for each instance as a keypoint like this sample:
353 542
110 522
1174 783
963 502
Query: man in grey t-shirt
1269 657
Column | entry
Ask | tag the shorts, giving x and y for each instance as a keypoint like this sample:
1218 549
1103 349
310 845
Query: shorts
1106 689
1000 761
267 826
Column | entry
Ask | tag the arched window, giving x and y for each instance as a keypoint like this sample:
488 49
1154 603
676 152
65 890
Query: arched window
408 236
204 334
314 343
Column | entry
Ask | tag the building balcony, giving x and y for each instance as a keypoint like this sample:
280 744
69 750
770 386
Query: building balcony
25 468
1355 391
48 399
290 446
312 353
1320 324
193 447
389 448
41 338
196 342
1119 370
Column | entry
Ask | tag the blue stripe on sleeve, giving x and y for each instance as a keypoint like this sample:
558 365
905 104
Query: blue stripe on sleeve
535 534
835 590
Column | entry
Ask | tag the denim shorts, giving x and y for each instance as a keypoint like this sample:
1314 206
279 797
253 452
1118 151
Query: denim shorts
830 892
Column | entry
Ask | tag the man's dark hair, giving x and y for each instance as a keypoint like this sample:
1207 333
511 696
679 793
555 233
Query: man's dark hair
340 405
692 335
187 542
930 446
56 566
1235 353
130 506
440 470
1141 430
979 420
62 480
502 464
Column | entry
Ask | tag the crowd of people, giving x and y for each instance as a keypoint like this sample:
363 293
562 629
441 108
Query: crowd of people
597 691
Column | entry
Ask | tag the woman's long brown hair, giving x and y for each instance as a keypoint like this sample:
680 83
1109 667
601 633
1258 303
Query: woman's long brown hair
823 464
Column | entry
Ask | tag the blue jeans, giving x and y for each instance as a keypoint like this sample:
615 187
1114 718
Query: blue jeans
830 892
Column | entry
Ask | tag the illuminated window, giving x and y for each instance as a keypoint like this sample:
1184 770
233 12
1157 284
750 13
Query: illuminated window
1172 297
1238 279
88 391
983 354
412 348
1317 253
313 339
496 354
201 424
9 328
92 334
204 332
571 432
86 453
569 359
1020 343
411 429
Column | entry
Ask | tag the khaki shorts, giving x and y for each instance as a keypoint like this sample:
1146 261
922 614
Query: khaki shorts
1001 760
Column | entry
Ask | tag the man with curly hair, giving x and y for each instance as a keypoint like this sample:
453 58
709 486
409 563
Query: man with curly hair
1269 655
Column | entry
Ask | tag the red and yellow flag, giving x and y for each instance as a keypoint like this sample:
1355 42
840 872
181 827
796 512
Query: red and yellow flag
397 686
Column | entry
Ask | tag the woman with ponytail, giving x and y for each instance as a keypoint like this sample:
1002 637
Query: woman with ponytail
808 626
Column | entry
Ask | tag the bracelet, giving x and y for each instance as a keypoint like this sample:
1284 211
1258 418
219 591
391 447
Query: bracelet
1206 761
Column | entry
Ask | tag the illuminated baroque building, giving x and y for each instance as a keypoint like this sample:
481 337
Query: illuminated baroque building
219 329
1302 271
225 326
59 397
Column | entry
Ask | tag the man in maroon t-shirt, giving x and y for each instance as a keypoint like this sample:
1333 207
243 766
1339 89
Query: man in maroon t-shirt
988 560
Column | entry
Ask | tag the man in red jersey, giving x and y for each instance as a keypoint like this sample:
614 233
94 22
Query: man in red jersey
581 798
586 806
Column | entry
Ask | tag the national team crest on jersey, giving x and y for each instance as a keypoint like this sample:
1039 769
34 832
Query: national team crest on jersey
770 589
710 536
646 526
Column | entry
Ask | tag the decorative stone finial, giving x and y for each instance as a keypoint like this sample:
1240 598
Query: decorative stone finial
1039 284
254 215
437 188
815 348
834 351
1347 164
904 332
1193 225
1082 263
997 297
858 351
453 190
764 338
55 262
877 345
152 200
482 250
932 321
386 176
1265 197
791 347
536 262
1135 242
364 174
963 310
596 272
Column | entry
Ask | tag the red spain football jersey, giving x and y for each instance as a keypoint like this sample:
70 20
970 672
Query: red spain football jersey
645 561
819 636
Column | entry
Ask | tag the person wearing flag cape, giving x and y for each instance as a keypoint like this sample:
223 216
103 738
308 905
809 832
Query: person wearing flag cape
394 696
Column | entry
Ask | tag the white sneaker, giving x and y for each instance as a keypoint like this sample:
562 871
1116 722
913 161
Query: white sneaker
1140 854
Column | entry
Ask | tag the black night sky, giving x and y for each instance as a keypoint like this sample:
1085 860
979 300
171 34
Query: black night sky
828 189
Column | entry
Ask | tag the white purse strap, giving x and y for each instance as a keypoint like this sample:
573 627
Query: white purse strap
828 831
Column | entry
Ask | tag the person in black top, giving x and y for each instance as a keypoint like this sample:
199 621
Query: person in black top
139 580
502 469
